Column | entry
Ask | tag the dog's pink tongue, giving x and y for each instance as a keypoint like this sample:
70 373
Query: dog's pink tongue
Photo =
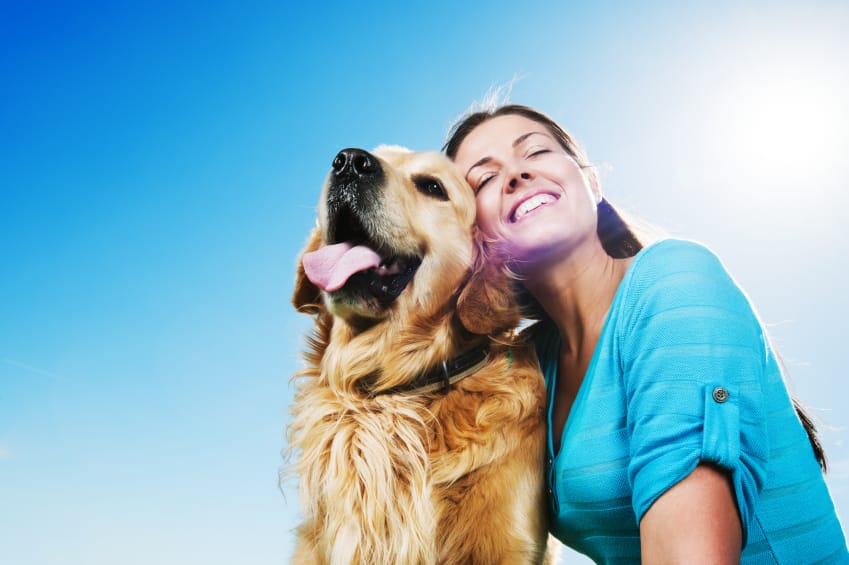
329 267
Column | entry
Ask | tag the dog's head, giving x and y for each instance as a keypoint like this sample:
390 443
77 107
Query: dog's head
395 235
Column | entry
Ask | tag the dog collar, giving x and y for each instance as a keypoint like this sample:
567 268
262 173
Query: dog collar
446 374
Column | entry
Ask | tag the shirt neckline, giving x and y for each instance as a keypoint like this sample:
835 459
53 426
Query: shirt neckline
578 404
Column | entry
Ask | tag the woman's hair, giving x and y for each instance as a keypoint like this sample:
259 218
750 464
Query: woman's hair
617 236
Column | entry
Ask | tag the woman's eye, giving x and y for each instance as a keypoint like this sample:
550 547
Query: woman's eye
536 152
485 179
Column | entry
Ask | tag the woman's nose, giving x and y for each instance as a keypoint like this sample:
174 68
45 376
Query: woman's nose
516 179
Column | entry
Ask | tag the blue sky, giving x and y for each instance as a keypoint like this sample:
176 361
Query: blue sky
160 164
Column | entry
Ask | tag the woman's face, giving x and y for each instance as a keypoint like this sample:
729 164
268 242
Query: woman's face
532 197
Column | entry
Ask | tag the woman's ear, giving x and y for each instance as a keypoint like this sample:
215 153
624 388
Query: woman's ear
595 184
307 297
487 303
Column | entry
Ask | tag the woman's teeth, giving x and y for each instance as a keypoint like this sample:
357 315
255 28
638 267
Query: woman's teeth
531 204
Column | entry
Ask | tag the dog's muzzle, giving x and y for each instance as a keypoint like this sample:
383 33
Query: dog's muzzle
354 179
353 258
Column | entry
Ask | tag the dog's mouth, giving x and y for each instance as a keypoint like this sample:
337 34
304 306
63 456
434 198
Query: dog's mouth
358 263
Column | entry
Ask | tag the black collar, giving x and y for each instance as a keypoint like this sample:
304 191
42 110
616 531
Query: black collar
443 376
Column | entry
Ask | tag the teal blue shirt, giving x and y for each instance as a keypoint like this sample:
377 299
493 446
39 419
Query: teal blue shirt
682 373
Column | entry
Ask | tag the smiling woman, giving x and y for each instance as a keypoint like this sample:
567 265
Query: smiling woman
671 435
534 158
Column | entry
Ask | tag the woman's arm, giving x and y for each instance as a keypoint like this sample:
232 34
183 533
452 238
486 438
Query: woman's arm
693 357
695 521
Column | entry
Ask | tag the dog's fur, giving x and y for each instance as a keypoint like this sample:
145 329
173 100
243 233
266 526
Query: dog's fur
387 477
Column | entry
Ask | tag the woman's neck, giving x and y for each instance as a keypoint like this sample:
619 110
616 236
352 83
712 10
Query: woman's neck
576 292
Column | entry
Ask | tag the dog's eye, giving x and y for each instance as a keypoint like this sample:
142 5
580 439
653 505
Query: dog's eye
431 187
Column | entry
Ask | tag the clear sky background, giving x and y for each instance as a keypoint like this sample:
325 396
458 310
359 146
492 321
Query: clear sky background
160 163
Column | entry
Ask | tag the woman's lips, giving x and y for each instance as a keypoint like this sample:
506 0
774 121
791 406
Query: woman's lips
531 203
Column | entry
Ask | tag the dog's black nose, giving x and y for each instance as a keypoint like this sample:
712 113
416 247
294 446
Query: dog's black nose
355 163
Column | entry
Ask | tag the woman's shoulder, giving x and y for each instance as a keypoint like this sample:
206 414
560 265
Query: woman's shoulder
676 255
668 260
677 272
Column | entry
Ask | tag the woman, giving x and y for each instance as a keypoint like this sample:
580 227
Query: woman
672 438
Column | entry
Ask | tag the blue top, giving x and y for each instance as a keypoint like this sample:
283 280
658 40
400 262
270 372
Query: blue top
682 373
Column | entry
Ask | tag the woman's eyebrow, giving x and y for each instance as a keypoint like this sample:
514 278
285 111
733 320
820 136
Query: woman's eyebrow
479 162
516 143
522 138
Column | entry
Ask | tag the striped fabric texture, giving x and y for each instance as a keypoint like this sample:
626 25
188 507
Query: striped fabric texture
683 372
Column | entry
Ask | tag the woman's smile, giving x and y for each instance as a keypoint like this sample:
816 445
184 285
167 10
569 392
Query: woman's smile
531 203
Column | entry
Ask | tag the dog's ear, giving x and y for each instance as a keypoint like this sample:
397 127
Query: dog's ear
487 303
307 296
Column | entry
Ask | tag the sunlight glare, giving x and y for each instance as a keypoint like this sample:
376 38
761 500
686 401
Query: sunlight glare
788 130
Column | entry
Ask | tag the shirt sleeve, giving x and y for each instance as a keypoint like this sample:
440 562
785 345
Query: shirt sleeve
693 354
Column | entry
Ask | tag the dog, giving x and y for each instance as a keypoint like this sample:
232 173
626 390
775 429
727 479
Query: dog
417 423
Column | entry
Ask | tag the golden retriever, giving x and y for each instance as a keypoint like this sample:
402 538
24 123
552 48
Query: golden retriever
417 422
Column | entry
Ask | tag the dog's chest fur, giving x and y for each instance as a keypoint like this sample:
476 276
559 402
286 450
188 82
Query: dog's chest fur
403 478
